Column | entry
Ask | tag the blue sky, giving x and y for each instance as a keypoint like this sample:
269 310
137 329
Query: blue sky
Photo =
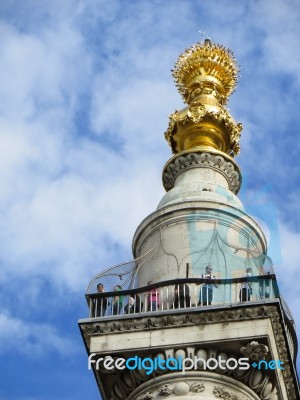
86 90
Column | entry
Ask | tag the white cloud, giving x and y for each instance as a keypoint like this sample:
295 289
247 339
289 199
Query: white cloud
86 91
288 272
65 195
32 338
62 194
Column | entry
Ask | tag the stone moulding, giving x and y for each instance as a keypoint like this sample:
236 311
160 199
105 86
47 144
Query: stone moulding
209 383
234 314
221 393
179 389
184 161
260 382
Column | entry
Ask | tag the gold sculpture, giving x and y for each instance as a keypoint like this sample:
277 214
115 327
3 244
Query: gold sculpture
206 75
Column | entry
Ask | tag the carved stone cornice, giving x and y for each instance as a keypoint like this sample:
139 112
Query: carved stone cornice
177 389
195 159
259 382
144 323
180 319
196 384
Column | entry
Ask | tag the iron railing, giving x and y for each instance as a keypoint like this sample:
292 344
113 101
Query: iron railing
182 294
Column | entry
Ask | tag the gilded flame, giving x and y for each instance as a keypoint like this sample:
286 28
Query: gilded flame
206 75
210 63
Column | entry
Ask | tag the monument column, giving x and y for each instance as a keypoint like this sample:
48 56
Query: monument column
200 298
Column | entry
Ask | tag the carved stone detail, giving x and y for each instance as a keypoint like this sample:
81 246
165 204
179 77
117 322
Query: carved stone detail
221 393
157 322
180 389
256 380
197 387
255 351
195 159
238 314
147 396
165 390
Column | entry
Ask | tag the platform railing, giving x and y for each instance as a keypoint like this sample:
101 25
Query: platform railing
179 294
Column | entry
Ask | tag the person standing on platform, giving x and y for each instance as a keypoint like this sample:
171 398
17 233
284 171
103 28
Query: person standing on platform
152 298
206 291
246 288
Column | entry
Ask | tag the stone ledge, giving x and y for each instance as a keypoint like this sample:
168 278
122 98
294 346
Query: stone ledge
92 331
187 160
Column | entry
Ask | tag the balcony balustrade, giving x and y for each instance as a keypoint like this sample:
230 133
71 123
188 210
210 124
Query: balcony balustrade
177 294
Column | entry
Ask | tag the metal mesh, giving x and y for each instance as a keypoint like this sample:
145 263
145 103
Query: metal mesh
228 261
123 274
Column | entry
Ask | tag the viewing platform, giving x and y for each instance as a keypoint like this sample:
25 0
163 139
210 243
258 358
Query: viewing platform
176 294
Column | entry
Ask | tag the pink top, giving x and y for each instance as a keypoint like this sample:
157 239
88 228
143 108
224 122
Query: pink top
153 295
